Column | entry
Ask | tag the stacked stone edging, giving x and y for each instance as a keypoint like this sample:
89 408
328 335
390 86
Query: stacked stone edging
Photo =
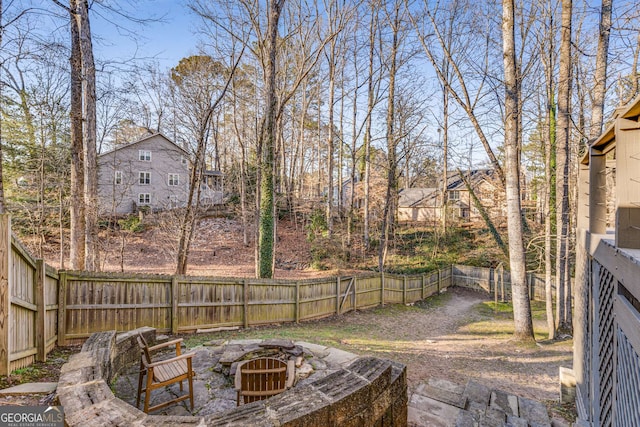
368 392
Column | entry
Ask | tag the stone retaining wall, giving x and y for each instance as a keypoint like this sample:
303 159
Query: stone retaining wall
368 392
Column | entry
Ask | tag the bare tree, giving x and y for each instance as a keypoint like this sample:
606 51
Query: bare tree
562 170
521 306
600 87
76 207
444 60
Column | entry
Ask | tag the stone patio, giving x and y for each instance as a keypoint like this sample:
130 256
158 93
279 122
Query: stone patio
214 366
440 403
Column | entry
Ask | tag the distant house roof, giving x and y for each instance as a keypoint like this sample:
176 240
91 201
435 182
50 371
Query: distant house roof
474 176
121 146
413 197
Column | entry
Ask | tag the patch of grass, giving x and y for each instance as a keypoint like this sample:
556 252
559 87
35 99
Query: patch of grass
499 319
505 309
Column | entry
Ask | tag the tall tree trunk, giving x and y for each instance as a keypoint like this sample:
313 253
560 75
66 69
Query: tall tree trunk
548 209
388 215
445 156
76 208
266 238
373 28
521 306
600 86
549 172
92 247
330 139
562 166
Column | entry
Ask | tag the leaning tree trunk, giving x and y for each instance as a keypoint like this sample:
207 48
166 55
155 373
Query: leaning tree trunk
521 307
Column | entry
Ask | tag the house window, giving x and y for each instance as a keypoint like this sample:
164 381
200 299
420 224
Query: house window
454 195
174 179
144 155
183 160
144 198
145 178
173 201
117 179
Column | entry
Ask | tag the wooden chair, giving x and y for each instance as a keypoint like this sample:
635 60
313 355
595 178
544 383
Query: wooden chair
261 378
163 373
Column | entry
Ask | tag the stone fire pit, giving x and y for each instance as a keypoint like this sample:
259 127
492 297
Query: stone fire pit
332 387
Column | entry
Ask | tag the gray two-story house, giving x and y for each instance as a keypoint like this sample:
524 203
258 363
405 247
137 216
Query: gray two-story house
152 172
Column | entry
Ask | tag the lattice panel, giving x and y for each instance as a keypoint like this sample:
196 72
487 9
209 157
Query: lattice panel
628 378
606 344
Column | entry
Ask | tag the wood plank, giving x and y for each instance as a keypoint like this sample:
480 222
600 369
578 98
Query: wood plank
245 305
41 326
62 312
175 289
5 292
23 354
24 304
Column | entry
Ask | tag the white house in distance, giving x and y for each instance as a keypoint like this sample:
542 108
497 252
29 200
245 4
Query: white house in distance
152 172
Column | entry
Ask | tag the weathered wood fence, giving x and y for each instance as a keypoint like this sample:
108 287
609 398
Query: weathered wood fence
40 306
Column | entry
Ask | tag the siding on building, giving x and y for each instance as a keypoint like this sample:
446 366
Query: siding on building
121 198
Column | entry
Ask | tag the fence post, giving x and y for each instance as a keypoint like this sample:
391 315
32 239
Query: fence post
41 333
5 292
422 287
62 308
382 288
338 295
404 289
297 302
175 289
439 280
245 303
353 295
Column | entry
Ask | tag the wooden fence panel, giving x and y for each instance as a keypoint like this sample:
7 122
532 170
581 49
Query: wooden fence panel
101 302
472 277
316 299
271 303
368 291
393 289
23 310
347 296
206 304
413 290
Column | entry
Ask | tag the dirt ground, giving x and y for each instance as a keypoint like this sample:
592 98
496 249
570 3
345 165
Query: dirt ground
457 342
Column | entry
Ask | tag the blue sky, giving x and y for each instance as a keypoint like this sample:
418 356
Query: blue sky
166 41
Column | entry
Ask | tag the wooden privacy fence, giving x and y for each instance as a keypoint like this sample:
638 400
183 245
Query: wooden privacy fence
28 304
40 306
487 278
96 302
